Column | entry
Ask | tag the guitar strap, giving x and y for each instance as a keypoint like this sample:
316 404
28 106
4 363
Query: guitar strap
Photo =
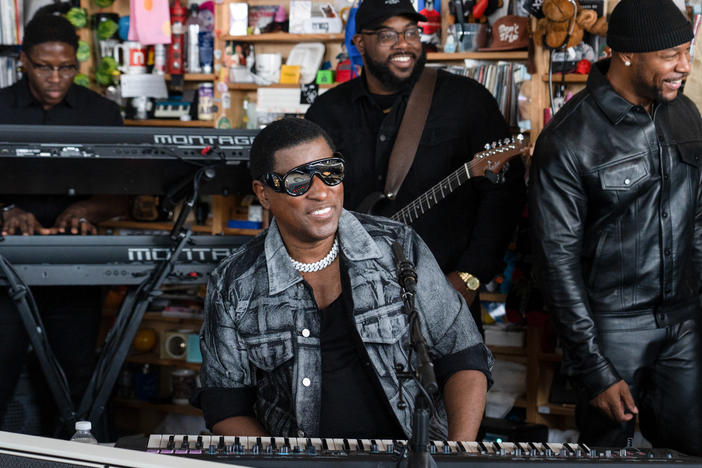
411 129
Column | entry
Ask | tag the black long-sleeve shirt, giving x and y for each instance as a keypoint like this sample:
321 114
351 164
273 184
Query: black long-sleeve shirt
80 106
470 229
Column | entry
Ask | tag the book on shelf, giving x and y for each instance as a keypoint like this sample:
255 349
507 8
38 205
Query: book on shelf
502 79
11 26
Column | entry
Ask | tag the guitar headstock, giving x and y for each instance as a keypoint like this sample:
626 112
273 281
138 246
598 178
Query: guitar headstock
496 155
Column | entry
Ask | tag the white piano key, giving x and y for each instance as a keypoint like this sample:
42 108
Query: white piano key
471 447
154 443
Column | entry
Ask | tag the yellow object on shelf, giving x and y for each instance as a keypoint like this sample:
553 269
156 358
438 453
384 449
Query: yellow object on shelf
290 74
144 340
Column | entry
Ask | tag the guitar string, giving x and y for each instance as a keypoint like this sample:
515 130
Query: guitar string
425 196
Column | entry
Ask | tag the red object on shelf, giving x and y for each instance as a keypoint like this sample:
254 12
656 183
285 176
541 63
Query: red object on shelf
344 71
583 67
174 60
433 22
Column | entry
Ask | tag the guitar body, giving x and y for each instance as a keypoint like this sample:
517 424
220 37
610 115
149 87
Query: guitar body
369 203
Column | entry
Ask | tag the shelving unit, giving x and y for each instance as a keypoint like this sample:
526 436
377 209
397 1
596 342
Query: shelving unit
283 37
169 123
121 7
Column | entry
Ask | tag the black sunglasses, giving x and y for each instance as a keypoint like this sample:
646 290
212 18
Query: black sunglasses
298 180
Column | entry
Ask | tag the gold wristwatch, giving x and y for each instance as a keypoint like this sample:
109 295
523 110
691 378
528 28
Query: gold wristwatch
472 282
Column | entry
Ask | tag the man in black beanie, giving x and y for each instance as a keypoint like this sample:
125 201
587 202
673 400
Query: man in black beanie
616 212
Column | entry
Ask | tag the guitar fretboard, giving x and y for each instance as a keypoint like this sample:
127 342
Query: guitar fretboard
434 195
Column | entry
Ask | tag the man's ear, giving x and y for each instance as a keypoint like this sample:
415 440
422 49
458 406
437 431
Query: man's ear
627 57
23 59
359 43
260 191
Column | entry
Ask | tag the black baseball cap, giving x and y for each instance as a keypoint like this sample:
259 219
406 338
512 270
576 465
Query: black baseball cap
372 13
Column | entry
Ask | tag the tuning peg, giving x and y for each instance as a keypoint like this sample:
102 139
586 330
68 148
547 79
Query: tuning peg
487 146
505 141
494 145
520 137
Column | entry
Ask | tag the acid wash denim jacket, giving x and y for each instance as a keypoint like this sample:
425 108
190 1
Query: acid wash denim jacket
262 325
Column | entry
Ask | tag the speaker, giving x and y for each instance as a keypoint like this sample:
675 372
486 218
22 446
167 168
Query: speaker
181 344
174 344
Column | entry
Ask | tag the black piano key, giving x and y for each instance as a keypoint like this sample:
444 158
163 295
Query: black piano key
432 447
534 450
360 446
374 446
310 448
220 445
447 447
325 445
198 443
461 448
482 448
171 442
185 444
347 446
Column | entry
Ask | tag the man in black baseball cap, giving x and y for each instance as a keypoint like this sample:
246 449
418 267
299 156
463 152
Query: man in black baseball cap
372 13
615 203
467 232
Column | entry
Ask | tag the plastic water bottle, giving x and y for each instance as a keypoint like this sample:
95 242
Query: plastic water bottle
83 433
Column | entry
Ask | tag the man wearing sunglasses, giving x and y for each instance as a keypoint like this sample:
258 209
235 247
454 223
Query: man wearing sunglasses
468 232
304 333
71 316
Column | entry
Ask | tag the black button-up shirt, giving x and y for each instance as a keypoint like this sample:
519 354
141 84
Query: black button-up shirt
470 229
80 106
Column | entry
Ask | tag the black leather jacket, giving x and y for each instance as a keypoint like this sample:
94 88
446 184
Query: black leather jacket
616 214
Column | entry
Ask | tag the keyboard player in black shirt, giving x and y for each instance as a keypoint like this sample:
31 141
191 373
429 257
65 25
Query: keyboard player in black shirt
71 315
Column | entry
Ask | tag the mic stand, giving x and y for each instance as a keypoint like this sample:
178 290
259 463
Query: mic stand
419 456
131 313
55 378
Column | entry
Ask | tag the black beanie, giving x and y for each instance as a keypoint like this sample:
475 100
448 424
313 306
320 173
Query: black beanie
647 26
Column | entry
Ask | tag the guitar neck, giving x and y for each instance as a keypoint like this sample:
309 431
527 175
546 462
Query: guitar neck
434 195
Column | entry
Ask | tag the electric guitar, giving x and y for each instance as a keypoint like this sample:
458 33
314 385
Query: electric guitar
487 163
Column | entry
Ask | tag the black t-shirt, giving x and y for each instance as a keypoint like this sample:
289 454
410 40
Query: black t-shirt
353 405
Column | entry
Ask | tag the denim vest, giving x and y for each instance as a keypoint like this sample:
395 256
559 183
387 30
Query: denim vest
262 325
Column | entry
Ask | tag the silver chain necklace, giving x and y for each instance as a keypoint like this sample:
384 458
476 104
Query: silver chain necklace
320 265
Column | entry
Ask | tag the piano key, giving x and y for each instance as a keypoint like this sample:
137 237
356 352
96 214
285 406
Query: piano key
389 445
154 443
471 446
453 445
509 447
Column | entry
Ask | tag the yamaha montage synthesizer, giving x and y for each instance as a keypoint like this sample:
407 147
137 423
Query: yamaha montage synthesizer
293 452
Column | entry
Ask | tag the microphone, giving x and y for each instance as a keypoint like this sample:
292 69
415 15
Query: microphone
406 274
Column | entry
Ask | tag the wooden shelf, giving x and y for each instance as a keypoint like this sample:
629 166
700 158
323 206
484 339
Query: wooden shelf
194 77
557 409
285 37
492 297
162 407
254 86
167 226
508 350
569 78
520 403
158 316
169 123
448 56
152 358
